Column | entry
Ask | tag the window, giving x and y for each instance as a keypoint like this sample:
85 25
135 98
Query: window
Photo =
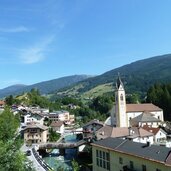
102 159
97 161
121 97
131 165
104 155
120 160
33 130
144 167
100 154
107 156
97 153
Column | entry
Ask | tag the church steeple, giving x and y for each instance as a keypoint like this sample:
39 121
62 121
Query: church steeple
120 104
119 82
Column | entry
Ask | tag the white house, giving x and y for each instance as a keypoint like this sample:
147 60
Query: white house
59 116
160 135
36 118
57 126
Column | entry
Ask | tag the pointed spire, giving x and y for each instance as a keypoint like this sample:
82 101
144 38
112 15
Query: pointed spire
119 82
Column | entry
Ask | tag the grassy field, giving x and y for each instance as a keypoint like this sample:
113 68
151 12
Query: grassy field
98 91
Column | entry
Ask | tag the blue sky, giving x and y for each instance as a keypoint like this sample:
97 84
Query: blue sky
46 39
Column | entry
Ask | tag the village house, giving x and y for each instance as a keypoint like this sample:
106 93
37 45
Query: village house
115 154
160 136
58 126
30 118
2 104
90 128
145 119
38 110
62 115
135 134
35 133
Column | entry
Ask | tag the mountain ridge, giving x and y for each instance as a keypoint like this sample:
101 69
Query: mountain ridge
44 87
137 76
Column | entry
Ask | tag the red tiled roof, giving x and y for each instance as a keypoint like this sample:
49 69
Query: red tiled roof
142 107
2 102
153 130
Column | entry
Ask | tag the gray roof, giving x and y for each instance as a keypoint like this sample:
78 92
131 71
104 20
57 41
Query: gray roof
94 121
36 126
58 112
152 152
129 132
146 117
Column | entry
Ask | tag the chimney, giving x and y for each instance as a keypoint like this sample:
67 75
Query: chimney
148 144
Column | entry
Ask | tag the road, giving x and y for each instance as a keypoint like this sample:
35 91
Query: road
36 165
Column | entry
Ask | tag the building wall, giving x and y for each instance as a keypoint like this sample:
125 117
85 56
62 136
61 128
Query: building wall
35 135
144 139
59 129
160 136
59 117
157 114
118 160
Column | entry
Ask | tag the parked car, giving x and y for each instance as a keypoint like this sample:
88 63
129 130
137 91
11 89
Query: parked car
28 152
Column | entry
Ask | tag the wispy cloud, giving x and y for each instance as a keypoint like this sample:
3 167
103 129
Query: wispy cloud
15 29
36 53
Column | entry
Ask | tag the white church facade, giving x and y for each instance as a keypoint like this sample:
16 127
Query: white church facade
124 115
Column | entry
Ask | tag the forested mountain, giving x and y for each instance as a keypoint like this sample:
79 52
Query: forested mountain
137 77
44 87
11 89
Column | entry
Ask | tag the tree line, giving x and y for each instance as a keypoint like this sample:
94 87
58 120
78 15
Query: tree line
160 95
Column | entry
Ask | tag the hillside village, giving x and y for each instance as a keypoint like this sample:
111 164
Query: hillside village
133 138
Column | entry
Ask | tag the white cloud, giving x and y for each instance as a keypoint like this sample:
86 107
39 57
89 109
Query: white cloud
36 53
15 29
32 55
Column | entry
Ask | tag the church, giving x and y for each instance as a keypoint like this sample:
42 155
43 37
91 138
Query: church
133 115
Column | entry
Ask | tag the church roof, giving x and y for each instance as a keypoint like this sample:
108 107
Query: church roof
145 117
142 107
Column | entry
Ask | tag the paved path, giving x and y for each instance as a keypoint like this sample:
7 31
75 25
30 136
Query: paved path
36 165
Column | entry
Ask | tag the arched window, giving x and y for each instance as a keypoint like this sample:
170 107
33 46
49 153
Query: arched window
121 97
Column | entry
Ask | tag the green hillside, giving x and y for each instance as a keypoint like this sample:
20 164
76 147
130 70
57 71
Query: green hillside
137 77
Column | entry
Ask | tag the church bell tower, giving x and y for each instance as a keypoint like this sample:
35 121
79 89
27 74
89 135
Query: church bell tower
120 104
